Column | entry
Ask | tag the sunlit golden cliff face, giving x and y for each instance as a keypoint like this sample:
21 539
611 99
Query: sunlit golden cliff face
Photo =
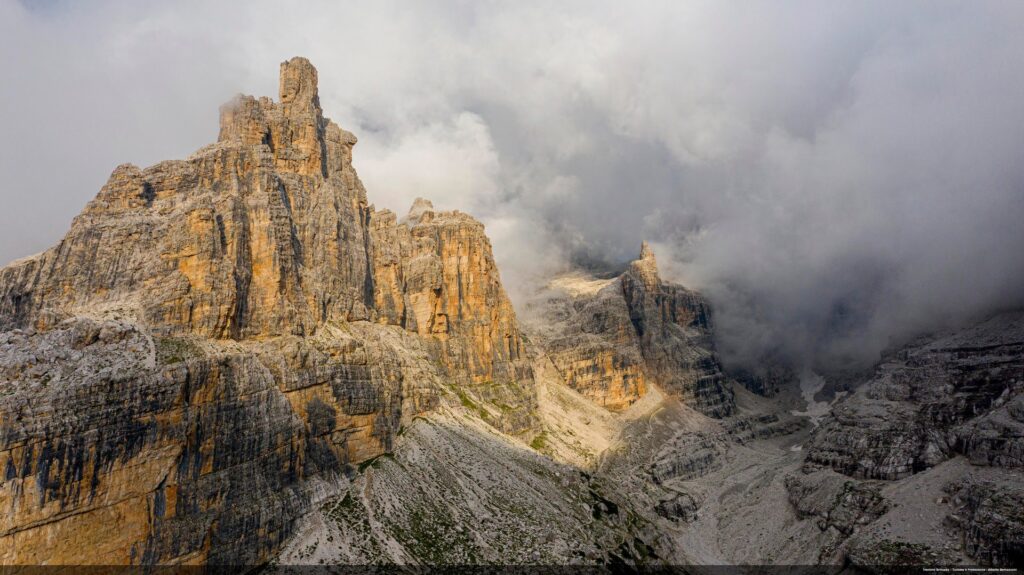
216 338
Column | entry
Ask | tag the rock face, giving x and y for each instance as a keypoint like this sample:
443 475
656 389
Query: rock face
674 329
767 381
957 394
939 429
146 449
610 339
584 328
434 275
989 517
216 342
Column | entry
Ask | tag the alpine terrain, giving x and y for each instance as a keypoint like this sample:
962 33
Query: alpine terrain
235 359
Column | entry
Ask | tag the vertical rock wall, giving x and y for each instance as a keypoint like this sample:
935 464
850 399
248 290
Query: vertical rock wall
673 325
611 338
217 341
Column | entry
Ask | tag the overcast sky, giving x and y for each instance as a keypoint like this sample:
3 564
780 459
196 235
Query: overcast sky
834 175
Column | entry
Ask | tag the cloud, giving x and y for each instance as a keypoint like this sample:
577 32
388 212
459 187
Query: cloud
453 161
835 176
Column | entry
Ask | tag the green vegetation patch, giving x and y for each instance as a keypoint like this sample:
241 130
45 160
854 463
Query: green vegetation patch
471 405
170 350
373 462
540 441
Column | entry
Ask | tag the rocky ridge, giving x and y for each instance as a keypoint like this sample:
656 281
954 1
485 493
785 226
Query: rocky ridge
957 394
942 415
236 359
216 342
611 339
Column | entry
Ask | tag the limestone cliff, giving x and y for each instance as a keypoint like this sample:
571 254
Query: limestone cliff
583 326
435 276
939 429
959 394
217 341
673 325
610 338
143 449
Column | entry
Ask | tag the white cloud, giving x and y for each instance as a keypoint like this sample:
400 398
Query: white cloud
833 174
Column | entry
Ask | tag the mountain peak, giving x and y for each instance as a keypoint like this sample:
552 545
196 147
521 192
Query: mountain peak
645 267
294 130
646 253
298 85
419 207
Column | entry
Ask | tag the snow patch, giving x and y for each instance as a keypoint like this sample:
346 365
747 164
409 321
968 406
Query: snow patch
810 384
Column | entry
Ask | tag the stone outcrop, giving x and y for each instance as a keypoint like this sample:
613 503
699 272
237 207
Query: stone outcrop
679 507
938 430
674 328
989 518
690 454
610 339
955 394
217 342
434 275
687 456
834 501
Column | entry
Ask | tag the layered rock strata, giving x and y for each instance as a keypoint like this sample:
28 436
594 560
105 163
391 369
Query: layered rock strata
217 341
610 339
957 394
988 517
939 427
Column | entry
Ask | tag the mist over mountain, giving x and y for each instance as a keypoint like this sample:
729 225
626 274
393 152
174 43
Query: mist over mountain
701 285
834 177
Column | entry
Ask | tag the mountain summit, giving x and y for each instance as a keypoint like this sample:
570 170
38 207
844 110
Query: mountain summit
241 317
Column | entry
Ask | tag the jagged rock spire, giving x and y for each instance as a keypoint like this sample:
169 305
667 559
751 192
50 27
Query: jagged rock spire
645 267
646 253
419 207
301 140
298 85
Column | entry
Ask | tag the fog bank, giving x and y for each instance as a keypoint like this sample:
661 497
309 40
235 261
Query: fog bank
834 176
